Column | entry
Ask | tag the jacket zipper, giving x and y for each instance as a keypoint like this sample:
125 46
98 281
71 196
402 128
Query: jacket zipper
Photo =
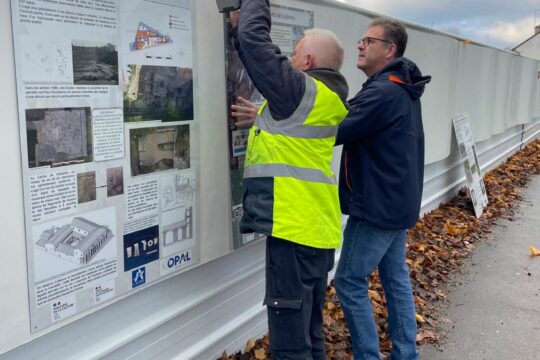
347 170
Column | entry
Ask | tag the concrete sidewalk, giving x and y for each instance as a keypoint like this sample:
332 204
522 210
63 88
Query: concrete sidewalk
494 312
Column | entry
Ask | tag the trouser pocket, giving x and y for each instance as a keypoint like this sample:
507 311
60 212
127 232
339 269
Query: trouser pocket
285 324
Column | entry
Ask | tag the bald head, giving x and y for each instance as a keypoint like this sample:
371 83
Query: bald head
319 48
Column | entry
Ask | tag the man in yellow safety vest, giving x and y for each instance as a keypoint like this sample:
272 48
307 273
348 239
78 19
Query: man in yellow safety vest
290 191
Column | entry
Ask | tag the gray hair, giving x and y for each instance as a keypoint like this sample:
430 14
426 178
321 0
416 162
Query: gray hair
326 48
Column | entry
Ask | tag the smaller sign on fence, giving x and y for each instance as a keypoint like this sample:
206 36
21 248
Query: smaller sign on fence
467 150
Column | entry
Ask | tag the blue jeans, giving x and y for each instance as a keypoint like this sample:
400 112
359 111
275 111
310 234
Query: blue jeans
365 247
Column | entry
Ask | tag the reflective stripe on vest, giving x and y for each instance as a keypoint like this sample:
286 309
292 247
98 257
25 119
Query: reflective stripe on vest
269 170
294 125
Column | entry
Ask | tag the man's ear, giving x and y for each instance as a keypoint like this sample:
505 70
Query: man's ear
392 51
309 62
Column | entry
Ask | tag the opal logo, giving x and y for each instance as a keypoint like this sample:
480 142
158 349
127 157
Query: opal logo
179 260
138 277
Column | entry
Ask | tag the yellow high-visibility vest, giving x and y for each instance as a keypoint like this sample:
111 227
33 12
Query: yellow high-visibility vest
297 152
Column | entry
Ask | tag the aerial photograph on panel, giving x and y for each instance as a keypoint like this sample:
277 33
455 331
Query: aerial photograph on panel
158 93
94 63
58 136
158 149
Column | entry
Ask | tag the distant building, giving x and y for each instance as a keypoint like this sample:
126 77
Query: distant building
78 242
531 46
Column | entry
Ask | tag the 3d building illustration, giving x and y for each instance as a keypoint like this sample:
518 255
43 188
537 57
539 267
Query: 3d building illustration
77 242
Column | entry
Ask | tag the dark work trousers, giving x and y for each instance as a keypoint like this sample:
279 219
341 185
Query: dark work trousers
296 281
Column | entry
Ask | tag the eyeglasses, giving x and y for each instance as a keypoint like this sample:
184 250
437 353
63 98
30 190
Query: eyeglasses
369 40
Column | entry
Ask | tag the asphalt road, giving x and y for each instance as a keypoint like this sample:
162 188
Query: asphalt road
494 310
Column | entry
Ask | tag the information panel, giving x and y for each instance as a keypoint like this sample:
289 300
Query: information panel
105 96
467 150
288 26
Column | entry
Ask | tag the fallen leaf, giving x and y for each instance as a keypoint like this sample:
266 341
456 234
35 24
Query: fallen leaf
329 306
426 335
250 345
455 229
260 354
327 320
374 295
534 251
266 340
420 319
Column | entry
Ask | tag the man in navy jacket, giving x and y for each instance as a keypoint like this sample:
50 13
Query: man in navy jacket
381 178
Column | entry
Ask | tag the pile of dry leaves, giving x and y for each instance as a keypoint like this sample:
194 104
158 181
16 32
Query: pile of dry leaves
437 246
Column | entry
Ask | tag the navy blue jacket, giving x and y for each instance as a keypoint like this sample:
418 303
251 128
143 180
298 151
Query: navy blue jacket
382 164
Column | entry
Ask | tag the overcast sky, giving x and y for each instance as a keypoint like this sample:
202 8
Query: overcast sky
499 23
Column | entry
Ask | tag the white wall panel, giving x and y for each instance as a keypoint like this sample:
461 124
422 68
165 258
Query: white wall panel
513 100
438 101
500 92
476 66
14 329
526 83
535 103
217 306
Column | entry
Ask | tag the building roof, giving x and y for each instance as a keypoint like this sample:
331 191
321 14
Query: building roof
537 33
84 224
45 236
66 249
